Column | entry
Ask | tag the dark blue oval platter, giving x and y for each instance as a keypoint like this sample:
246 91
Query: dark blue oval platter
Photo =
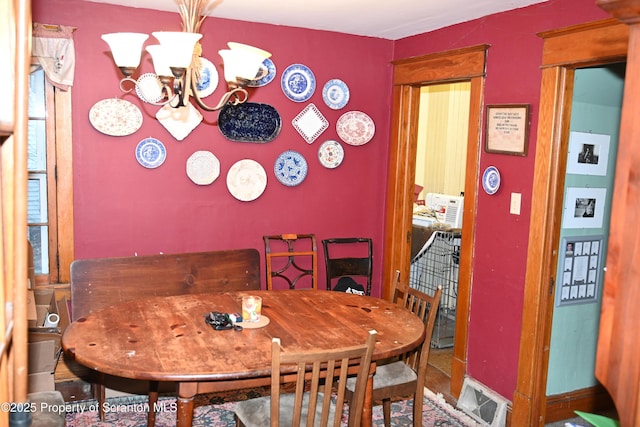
249 122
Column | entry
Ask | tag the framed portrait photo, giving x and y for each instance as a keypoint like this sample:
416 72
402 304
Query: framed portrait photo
507 129
588 153
584 207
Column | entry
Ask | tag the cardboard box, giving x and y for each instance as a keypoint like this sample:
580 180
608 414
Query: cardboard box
45 342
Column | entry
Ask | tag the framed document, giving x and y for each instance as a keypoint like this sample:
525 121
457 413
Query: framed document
507 129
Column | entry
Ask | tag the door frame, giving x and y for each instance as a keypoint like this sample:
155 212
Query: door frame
467 64
564 50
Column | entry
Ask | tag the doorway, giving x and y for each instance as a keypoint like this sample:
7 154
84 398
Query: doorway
440 172
461 65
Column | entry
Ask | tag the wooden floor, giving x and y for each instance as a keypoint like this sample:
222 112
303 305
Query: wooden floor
439 373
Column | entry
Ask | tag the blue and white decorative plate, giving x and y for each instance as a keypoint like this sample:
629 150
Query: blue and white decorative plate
335 94
298 82
491 180
150 153
208 81
270 68
290 168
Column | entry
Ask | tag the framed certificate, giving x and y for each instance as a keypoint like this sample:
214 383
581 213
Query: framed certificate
507 129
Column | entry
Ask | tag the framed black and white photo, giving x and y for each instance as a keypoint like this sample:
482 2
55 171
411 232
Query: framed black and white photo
584 207
580 258
588 153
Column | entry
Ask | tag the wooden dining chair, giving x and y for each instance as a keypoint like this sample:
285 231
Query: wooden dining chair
406 376
349 257
320 378
292 260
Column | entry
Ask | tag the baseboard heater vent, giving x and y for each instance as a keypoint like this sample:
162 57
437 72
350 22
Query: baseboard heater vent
482 404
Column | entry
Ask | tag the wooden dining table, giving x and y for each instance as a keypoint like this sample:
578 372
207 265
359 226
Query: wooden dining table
167 338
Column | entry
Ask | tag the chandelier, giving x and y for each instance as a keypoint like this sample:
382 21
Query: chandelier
176 60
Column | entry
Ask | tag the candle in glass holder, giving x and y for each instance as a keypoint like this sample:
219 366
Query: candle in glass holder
251 308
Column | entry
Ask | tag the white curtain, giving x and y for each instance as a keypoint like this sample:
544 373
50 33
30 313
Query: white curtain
54 51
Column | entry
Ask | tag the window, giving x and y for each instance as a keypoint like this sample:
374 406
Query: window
49 152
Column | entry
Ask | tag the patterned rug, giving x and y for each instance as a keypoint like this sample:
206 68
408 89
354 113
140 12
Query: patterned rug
215 410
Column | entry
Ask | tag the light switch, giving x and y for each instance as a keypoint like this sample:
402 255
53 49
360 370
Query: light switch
516 199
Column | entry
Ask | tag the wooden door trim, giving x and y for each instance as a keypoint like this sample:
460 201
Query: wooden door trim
563 51
466 64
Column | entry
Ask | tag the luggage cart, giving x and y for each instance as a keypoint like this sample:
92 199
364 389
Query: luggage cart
438 264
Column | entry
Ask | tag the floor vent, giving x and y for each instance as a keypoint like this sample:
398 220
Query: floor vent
482 404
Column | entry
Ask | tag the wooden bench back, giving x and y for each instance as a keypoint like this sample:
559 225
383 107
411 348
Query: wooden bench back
101 282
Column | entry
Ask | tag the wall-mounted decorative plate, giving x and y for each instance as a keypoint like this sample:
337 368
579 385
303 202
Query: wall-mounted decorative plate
298 82
290 168
491 180
246 180
150 153
335 94
203 167
208 81
310 123
115 117
330 154
149 88
249 122
355 128
270 68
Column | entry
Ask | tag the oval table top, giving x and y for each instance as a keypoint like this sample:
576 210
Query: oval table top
167 339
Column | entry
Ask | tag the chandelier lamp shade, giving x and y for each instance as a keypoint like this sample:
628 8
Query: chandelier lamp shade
176 60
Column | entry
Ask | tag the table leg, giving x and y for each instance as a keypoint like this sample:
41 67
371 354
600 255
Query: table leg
186 392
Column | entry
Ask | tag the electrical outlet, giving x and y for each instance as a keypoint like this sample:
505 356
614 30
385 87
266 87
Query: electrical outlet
516 199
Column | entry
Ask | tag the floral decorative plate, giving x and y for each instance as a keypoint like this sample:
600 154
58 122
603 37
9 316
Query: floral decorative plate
179 122
298 82
290 168
310 123
149 88
208 81
335 94
203 167
246 180
249 122
491 180
115 117
150 153
355 128
330 154
270 68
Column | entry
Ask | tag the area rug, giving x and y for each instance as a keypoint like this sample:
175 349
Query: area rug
209 411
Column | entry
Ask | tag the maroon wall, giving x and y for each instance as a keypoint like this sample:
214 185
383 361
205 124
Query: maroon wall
513 76
122 208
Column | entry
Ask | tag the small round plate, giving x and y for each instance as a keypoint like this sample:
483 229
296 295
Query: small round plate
208 81
290 168
264 321
270 68
203 167
330 154
298 82
491 180
246 180
149 88
335 94
115 117
150 153
355 128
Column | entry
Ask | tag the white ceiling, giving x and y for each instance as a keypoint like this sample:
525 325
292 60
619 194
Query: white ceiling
375 18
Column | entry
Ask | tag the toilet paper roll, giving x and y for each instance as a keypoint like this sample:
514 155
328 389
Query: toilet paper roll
51 320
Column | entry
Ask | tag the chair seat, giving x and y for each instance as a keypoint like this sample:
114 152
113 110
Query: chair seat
389 375
256 412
